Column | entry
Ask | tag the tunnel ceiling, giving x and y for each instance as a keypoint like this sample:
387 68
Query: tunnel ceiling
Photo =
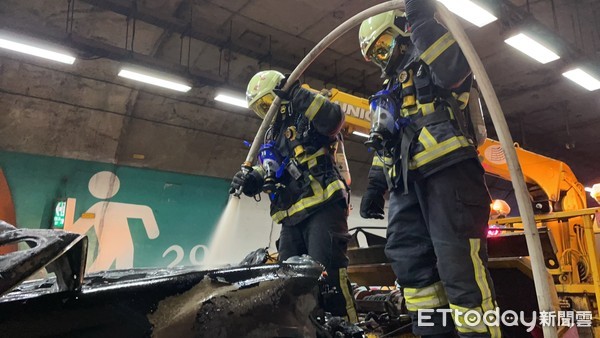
86 112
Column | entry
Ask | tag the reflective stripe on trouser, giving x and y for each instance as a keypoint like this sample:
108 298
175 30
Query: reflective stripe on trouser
347 293
472 321
437 232
324 236
429 297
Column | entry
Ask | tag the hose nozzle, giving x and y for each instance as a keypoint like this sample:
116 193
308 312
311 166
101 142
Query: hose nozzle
246 168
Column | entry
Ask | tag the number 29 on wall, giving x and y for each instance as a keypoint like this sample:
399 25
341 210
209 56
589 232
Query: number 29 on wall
180 254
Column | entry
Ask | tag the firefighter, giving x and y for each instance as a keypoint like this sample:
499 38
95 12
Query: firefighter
308 194
427 159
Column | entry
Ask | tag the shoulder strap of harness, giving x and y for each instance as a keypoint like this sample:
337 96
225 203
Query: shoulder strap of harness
409 132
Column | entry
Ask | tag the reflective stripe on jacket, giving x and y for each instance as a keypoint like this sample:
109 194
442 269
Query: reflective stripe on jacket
320 182
324 185
437 75
434 142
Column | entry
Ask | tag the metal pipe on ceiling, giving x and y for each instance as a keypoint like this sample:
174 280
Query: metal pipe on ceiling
554 17
172 24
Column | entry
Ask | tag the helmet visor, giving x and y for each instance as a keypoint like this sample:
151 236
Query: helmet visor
262 105
381 51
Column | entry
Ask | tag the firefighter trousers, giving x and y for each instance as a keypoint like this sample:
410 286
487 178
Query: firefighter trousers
324 236
436 243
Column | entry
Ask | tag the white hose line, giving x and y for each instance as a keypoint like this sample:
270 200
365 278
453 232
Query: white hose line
542 286
310 58
531 234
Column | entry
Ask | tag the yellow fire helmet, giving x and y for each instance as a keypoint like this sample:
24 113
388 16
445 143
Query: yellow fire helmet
377 36
259 93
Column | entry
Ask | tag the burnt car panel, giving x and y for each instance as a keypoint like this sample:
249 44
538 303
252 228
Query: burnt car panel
272 300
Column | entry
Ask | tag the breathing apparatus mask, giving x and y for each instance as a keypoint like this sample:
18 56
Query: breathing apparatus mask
273 164
388 52
386 121
385 39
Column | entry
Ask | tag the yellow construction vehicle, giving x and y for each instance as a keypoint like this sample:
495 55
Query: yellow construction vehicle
568 232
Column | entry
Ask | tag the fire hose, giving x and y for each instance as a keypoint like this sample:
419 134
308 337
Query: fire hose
542 285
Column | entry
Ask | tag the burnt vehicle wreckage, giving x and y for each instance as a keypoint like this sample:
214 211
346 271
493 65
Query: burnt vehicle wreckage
253 299
249 300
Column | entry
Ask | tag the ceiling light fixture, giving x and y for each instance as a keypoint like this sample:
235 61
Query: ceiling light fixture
59 56
231 100
532 48
469 11
583 79
157 80
358 133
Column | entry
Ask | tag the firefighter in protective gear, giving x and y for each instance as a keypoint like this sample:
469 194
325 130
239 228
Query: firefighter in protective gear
308 195
439 204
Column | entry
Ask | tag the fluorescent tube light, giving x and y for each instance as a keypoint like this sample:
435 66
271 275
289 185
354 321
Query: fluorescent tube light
469 11
588 189
232 100
153 80
532 48
358 133
583 79
13 45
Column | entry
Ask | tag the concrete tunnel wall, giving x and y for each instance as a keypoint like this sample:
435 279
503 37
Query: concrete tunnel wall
47 112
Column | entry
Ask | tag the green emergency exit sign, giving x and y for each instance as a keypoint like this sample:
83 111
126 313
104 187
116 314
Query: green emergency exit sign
60 212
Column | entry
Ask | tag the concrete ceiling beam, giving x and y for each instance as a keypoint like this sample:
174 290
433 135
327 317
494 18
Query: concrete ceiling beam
172 24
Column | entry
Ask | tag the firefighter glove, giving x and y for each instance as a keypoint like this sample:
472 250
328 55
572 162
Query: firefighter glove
286 95
247 181
371 205
372 202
